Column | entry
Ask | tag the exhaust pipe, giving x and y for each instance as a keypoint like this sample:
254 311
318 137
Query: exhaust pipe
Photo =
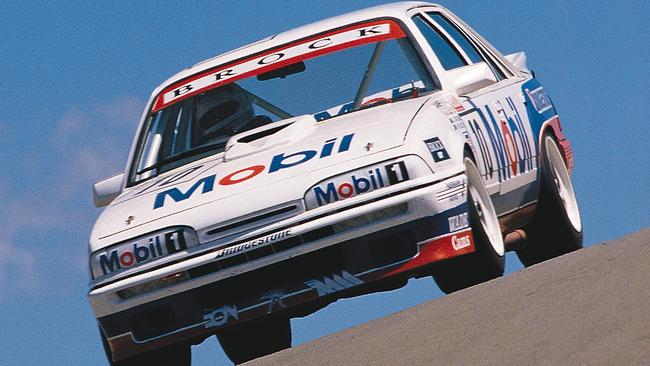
515 240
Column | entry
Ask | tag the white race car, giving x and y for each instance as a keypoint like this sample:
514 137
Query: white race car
336 159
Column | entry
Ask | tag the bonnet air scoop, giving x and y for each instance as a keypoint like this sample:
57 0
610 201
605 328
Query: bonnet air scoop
269 136
261 134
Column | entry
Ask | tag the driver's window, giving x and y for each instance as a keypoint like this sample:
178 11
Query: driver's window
448 55
396 73
468 47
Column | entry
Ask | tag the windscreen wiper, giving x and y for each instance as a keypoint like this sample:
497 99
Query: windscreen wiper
180 156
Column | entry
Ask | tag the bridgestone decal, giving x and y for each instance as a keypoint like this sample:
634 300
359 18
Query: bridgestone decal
244 247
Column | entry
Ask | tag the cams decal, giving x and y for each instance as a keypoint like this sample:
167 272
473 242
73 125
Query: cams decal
460 242
277 163
437 149
333 283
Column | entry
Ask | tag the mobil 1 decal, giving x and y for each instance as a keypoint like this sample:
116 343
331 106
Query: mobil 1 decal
502 139
358 182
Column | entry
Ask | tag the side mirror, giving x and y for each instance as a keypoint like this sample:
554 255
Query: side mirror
105 191
470 78
518 60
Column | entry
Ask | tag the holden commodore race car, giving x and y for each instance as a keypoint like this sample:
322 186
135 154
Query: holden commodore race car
332 160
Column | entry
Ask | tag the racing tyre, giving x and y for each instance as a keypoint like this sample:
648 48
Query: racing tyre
487 261
176 355
255 339
556 228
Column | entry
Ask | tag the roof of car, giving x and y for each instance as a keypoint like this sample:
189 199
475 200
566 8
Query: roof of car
397 10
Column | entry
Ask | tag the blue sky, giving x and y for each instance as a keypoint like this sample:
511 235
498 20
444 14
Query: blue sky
76 76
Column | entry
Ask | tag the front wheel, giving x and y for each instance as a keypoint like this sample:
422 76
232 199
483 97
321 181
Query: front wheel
257 338
487 261
557 227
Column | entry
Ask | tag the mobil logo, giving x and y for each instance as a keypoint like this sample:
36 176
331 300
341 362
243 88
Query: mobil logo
278 162
359 182
117 260
144 250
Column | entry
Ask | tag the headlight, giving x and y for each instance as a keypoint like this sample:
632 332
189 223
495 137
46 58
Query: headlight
141 250
358 182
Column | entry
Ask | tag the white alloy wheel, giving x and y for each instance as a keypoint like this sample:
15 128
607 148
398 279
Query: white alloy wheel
562 179
483 206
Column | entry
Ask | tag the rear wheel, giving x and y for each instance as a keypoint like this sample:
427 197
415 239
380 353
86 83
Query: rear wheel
487 261
557 227
175 355
255 339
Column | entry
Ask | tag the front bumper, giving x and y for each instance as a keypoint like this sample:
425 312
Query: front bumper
316 270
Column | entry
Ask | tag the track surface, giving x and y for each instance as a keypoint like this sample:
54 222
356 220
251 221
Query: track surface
588 307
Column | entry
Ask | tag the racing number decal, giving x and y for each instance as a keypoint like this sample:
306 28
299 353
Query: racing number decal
397 173
175 241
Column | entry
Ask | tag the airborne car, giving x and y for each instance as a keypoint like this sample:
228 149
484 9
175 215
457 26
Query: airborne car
336 159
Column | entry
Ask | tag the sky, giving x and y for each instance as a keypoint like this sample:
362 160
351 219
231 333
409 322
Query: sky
76 76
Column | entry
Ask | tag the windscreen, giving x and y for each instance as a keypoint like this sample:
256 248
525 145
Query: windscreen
341 72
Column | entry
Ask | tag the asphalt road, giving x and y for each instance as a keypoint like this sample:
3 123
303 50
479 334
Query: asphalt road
591 307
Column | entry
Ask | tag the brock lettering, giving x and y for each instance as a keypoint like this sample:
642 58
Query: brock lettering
182 90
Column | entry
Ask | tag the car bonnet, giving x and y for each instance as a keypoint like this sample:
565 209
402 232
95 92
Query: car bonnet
254 175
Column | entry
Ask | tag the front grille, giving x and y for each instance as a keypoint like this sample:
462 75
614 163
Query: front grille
250 220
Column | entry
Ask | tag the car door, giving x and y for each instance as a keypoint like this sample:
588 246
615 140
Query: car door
494 116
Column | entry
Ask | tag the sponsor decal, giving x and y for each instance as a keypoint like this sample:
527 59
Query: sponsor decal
141 251
219 317
458 107
278 162
502 139
387 96
437 149
455 190
454 183
303 50
274 298
161 182
244 247
541 101
458 222
437 249
460 242
333 283
343 187
445 107
510 144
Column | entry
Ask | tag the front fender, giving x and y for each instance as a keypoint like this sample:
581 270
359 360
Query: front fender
430 124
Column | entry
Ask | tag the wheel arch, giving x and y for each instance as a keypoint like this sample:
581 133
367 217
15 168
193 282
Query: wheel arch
554 128
467 149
